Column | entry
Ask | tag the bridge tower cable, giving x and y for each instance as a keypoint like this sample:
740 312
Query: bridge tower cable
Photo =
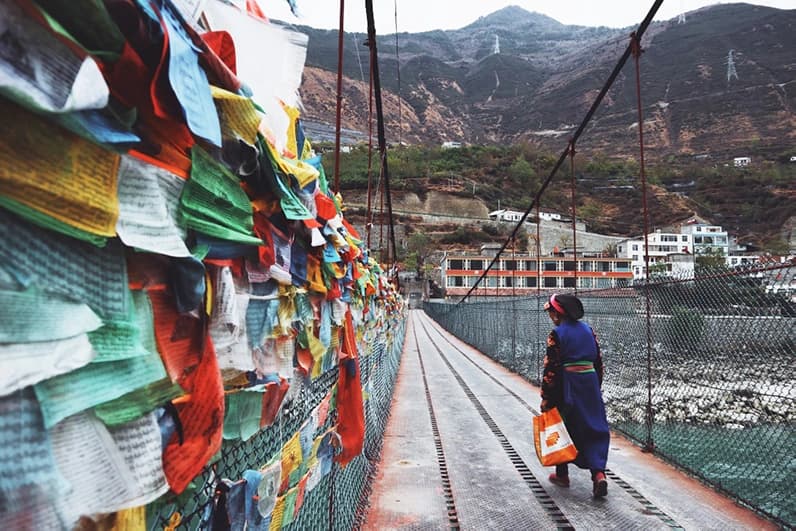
385 253
598 100
635 43
340 43
398 72
380 128
369 212
574 211
538 250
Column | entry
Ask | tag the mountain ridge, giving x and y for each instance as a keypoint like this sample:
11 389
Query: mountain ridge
698 112
543 82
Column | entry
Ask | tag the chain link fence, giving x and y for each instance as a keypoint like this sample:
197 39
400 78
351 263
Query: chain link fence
339 501
700 369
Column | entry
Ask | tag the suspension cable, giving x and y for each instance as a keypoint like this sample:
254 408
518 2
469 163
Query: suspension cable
635 43
380 128
538 250
369 212
398 72
340 42
574 210
609 82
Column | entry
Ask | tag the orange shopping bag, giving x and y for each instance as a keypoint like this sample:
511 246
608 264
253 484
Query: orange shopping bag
553 443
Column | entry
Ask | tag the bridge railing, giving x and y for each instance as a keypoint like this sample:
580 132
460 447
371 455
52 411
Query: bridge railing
339 499
700 369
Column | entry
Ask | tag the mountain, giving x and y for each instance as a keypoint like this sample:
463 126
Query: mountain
721 83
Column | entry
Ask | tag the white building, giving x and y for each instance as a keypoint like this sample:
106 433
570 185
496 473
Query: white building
741 161
512 215
708 239
669 252
550 216
505 215
451 145
741 260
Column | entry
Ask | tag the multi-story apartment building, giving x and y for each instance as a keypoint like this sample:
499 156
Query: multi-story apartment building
669 253
522 275
708 239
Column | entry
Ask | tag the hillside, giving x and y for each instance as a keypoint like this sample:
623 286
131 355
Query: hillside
515 78
461 186
519 76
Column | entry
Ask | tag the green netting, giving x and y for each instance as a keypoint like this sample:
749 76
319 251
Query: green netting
702 369
340 499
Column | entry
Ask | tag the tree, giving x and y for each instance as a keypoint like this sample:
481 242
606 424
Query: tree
419 245
521 171
610 250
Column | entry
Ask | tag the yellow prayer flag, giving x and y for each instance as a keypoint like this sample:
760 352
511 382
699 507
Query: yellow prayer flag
292 142
133 519
277 514
303 172
317 349
54 171
291 456
237 114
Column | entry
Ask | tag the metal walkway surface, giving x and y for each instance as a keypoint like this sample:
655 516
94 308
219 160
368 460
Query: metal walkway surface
458 454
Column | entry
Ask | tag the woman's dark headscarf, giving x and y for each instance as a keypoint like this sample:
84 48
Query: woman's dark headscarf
565 304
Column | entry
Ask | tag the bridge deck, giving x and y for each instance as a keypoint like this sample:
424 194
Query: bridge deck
458 454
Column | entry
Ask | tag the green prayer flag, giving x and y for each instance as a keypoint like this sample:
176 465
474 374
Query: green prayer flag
124 338
213 202
30 316
85 22
138 403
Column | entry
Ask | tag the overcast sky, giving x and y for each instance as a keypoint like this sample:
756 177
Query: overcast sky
423 15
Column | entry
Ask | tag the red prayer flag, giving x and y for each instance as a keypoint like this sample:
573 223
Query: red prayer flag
350 411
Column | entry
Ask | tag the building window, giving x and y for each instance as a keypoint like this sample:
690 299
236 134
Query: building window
550 266
510 265
684 238
456 281
635 247
603 282
604 266
585 282
569 265
530 282
551 282
491 282
569 282
476 264
622 266
530 265
456 264
587 266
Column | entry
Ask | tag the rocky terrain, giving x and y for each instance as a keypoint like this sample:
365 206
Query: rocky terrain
515 76
719 85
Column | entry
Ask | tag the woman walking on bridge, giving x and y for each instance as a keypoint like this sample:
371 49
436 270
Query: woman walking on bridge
573 376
